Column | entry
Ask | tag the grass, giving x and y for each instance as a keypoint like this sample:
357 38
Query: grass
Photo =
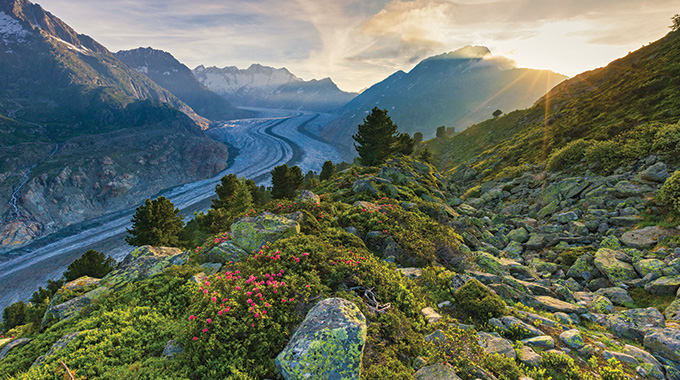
643 299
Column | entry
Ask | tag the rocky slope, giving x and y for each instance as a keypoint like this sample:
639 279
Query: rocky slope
264 86
82 133
167 72
455 89
378 265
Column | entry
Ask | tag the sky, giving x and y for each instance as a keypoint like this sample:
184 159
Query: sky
358 43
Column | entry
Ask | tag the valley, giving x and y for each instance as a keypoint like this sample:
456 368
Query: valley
273 138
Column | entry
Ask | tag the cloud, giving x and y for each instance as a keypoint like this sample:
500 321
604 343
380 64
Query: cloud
359 42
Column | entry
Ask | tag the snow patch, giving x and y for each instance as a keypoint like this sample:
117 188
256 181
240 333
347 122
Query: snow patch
11 29
143 69
79 49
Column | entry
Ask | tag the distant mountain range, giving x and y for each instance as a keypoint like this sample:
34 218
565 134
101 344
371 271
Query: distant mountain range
81 133
167 72
268 87
455 89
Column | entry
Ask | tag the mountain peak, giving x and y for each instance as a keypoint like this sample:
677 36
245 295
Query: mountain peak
466 52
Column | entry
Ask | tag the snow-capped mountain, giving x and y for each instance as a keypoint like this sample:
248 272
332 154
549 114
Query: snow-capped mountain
167 72
264 86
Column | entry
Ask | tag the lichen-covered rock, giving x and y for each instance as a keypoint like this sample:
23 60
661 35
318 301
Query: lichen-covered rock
543 342
635 323
142 263
553 305
528 356
584 268
646 238
664 343
626 189
329 343
519 235
12 345
566 217
572 339
252 233
613 265
430 315
495 345
82 282
664 286
412 273
655 173
171 349
60 344
223 253
645 358
672 312
69 308
647 266
601 305
439 371
308 196
617 295
491 264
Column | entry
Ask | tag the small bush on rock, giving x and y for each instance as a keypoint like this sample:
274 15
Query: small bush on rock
569 155
670 192
479 302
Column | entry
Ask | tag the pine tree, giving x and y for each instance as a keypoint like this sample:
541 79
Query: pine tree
327 171
404 144
225 191
441 131
257 193
280 181
295 181
375 138
418 137
425 155
92 263
156 223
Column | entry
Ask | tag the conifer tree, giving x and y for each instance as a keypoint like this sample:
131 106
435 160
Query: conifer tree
327 171
92 263
418 137
280 181
404 144
375 138
156 223
225 191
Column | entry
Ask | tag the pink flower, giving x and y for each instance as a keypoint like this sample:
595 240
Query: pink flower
205 291
195 338
219 312
267 304
283 300
205 330
227 309
249 301
214 299
192 317
257 315
238 287
209 320
305 254
308 285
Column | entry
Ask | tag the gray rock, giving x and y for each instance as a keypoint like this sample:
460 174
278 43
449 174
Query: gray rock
12 345
554 305
495 345
439 371
664 343
412 273
646 238
634 324
543 342
436 336
647 266
308 196
643 356
143 263
623 358
664 286
519 235
572 339
252 233
529 357
601 305
617 295
329 343
566 217
223 253
672 312
615 265
655 173
60 344
626 189
172 348
430 315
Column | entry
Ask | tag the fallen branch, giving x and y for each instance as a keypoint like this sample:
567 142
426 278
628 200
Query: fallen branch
67 370
373 304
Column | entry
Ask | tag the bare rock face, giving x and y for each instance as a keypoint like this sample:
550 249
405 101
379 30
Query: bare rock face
329 343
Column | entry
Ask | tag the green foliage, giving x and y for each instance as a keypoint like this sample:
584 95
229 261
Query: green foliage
667 141
501 366
225 191
378 139
441 132
675 26
497 113
568 156
642 299
417 138
559 366
14 315
156 223
612 371
460 349
425 156
286 181
327 171
670 192
479 302
236 197
92 263
437 282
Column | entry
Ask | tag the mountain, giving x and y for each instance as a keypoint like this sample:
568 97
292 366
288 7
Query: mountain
81 133
167 72
608 116
455 89
268 87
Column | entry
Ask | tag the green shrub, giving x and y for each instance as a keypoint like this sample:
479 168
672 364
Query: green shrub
460 349
559 366
473 192
612 371
92 263
606 155
568 156
670 192
667 141
501 366
479 302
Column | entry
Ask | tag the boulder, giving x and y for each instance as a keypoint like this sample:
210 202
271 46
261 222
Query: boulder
519 235
252 233
656 173
646 238
617 295
553 305
614 265
60 344
543 342
664 343
634 324
528 356
623 358
12 345
69 308
223 253
439 371
584 268
626 189
643 357
308 196
81 283
672 312
647 266
329 343
143 263
664 286
171 349
412 273
495 345
601 305
566 217
572 339
431 315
